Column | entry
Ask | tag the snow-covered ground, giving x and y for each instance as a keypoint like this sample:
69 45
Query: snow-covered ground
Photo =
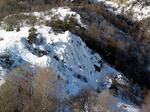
68 56
65 53
138 9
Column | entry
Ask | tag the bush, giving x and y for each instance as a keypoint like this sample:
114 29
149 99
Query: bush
9 28
101 8
18 29
69 23
56 24
31 20
94 31
18 20
32 35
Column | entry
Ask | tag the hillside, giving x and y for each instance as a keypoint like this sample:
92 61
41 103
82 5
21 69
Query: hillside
98 52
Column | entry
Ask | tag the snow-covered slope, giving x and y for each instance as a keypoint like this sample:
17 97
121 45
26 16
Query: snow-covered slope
138 9
72 61
65 53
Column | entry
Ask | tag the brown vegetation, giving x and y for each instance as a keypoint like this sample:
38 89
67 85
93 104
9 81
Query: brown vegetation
8 7
146 104
27 92
69 23
94 102
17 20
126 41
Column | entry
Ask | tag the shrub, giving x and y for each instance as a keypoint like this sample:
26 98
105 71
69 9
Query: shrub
11 22
31 20
94 31
69 23
17 20
9 28
56 24
32 35
47 23
101 8
18 29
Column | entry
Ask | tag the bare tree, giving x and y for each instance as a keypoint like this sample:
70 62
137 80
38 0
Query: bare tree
146 104
27 91
90 101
